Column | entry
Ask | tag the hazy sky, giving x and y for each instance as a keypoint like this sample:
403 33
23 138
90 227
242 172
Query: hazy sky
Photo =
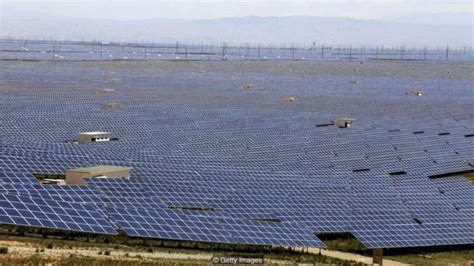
145 9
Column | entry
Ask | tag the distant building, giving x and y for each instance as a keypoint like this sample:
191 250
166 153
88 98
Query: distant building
109 105
414 93
85 137
246 86
343 122
289 99
104 90
76 176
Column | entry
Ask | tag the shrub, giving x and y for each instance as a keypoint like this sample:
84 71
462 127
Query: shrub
3 250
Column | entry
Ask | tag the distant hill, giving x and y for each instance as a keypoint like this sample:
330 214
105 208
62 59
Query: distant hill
447 19
275 30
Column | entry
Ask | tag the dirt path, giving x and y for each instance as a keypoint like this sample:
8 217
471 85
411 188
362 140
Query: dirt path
354 257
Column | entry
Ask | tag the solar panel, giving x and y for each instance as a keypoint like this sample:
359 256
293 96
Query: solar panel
48 213
214 163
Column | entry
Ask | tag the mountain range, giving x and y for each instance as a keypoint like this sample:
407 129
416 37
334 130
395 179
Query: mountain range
301 30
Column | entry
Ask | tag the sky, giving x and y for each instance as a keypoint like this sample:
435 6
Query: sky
209 9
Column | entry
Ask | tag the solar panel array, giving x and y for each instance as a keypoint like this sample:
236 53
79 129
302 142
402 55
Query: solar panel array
215 163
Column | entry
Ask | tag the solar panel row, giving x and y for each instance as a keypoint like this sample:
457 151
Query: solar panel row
214 163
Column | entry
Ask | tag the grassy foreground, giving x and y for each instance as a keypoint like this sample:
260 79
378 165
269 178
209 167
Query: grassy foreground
459 257
414 256
39 251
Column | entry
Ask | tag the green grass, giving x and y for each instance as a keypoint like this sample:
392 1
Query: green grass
351 245
458 257
416 256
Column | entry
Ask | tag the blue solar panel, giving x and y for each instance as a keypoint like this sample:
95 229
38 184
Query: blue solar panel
215 163
48 213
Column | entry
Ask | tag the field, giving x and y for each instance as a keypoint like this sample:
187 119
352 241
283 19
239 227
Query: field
29 249
413 256
241 153
63 252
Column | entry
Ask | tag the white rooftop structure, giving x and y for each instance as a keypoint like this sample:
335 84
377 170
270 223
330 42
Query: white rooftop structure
93 136
77 175
343 122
